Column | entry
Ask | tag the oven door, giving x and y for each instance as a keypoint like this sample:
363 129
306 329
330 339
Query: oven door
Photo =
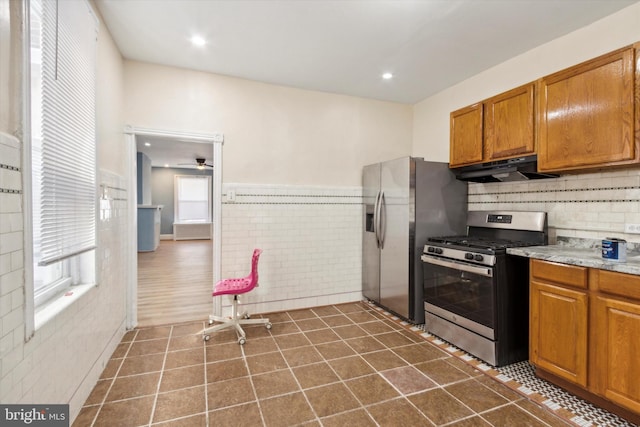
462 293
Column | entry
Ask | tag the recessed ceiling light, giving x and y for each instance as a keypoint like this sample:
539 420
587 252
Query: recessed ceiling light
198 41
387 76
166 165
146 144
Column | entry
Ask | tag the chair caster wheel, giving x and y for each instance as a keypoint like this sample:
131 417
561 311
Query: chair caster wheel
267 325
205 338
210 322
241 340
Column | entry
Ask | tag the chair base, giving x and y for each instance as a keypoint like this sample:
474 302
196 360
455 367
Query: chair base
235 321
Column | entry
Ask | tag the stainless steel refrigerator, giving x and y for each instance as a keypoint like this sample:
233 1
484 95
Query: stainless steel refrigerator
406 201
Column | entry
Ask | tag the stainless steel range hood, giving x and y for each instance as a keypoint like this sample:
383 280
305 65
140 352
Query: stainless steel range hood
518 169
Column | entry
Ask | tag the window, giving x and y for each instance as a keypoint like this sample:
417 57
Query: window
192 198
63 145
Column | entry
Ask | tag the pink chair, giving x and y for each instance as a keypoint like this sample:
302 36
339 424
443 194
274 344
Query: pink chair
236 287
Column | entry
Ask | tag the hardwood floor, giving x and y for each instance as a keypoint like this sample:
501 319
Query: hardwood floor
175 282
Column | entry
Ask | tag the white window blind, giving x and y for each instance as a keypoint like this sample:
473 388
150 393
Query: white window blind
193 203
63 129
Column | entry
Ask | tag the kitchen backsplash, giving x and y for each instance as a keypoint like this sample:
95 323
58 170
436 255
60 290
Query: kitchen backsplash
585 206
311 237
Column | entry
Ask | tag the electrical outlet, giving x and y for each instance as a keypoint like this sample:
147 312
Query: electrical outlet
632 228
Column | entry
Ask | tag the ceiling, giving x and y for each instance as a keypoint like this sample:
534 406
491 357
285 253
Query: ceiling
343 46
338 46
174 152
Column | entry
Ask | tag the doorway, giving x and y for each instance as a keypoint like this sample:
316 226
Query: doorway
214 143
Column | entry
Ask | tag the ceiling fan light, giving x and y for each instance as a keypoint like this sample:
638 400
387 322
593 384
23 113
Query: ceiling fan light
200 166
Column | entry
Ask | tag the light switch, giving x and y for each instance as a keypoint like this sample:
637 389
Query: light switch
231 195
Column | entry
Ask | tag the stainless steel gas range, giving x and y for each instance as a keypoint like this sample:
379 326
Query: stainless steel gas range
476 296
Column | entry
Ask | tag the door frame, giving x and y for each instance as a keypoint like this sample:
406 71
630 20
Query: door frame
216 140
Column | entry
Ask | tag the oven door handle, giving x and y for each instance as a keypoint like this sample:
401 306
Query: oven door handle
482 271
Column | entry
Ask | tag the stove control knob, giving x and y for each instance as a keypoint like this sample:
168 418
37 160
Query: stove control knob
468 255
438 251
431 249
478 257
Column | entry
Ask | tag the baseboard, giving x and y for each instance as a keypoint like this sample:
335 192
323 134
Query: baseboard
192 231
166 237
625 413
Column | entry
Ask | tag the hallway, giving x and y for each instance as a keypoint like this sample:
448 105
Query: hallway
175 282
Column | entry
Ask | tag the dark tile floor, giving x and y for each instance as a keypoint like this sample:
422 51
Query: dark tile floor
340 365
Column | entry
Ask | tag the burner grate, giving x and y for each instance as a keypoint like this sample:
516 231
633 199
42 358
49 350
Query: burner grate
479 242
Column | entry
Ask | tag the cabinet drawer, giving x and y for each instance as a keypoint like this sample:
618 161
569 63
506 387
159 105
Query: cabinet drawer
563 274
620 284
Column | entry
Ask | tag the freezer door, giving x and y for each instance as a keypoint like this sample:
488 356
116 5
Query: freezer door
396 223
441 210
370 246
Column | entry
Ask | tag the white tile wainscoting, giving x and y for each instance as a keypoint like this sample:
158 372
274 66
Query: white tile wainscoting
61 362
11 269
311 237
590 206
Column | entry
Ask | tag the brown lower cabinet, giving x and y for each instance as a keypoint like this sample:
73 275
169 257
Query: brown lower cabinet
585 333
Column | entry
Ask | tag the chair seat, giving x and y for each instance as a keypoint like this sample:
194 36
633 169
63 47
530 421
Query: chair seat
233 286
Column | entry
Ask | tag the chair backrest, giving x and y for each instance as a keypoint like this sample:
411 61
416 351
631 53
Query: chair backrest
254 266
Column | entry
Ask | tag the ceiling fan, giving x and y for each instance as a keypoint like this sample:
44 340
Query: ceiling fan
200 163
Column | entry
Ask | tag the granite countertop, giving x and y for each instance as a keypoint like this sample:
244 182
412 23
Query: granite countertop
582 255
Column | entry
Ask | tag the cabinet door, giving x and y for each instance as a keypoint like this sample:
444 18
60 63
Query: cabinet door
558 322
509 124
466 136
617 338
586 115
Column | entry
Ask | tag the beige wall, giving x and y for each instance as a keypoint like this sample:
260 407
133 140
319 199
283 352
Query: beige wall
109 105
5 69
10 72
273 134
431 116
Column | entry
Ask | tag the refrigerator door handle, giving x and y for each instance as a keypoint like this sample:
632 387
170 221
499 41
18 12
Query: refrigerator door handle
376 219
382 211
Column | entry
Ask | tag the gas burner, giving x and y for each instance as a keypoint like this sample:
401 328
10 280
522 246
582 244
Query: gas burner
472 242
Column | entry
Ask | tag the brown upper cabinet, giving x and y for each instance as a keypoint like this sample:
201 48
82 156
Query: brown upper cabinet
587 114
498 128
466 136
